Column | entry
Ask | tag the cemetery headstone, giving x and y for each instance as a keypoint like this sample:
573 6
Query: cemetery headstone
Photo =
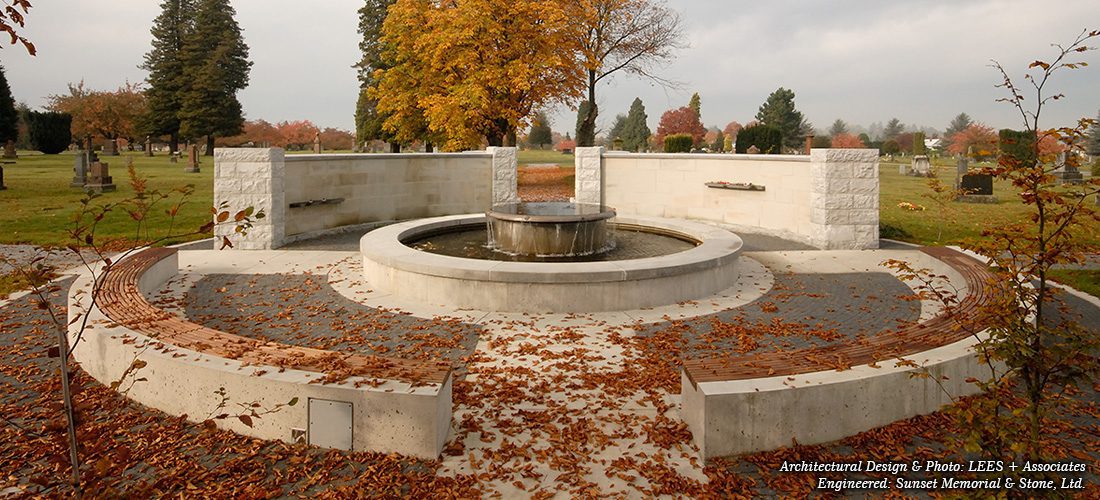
921 166
148 146
111 148
2 186
80 171
192 159
89 151
1067 171
317 144
978 188
99 178
809 144
753 150
9 150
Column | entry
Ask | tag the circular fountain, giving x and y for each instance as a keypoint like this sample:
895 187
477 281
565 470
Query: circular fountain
550 229
695 261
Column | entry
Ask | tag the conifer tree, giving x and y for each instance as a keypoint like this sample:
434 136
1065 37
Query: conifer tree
368 123
778 111
216 67
165 66
9 119
636 131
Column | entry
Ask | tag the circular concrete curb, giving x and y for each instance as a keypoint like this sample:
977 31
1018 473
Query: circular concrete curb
551 286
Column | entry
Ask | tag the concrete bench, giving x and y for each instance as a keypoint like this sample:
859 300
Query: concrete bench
742 404
359 402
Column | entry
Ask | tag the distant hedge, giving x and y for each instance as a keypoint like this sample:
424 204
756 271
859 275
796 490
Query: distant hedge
1018 145
678 143
49 132
769 140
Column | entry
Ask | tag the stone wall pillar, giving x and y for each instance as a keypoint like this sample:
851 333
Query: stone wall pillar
588 178
251 177
505 175
844 200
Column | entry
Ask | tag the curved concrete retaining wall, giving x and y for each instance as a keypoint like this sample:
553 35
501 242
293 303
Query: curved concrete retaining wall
392 417
743 416
828 199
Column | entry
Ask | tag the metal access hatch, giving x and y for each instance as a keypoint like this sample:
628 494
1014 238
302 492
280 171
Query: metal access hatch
330 423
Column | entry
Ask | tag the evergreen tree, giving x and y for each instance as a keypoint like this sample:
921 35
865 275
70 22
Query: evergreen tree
918 144
779 112
1093 148
216 67
540 135
616 131
9 118
839 127
893 129
636 131
586 129
696 105
368 123
165 66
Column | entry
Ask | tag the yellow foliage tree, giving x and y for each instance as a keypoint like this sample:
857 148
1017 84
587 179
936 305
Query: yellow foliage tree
461 72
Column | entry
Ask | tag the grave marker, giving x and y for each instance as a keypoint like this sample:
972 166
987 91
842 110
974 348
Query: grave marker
192 159
99 178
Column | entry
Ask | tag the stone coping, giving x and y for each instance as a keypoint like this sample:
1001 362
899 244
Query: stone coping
291 158
707 156
391 412
718 248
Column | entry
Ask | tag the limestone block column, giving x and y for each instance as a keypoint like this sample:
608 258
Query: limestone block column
252 177
844 200
588 183
505 175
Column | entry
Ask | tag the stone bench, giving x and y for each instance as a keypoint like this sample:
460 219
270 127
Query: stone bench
359 402
756 402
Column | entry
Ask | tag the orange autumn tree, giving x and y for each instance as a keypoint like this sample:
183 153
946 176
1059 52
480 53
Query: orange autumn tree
107 114
474 70
977 140
844 140
680 121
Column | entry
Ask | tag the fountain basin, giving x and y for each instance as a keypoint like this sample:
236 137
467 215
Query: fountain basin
392 267
550 229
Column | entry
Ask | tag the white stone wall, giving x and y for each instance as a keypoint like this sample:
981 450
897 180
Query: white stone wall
251 177
828 200
844 198
588 178
673 185
374 188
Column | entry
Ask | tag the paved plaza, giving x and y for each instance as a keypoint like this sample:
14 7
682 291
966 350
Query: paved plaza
543 403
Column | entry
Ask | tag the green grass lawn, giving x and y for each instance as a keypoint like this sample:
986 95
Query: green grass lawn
1085 281
544 156
959 221
38 206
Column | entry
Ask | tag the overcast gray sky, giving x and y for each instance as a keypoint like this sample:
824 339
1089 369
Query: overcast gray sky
922 61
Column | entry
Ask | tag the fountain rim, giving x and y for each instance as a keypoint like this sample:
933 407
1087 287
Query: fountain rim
604 213
384 246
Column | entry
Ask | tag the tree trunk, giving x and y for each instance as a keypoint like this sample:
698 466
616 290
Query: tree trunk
395 147
174 143
428 147
210 145
586 134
